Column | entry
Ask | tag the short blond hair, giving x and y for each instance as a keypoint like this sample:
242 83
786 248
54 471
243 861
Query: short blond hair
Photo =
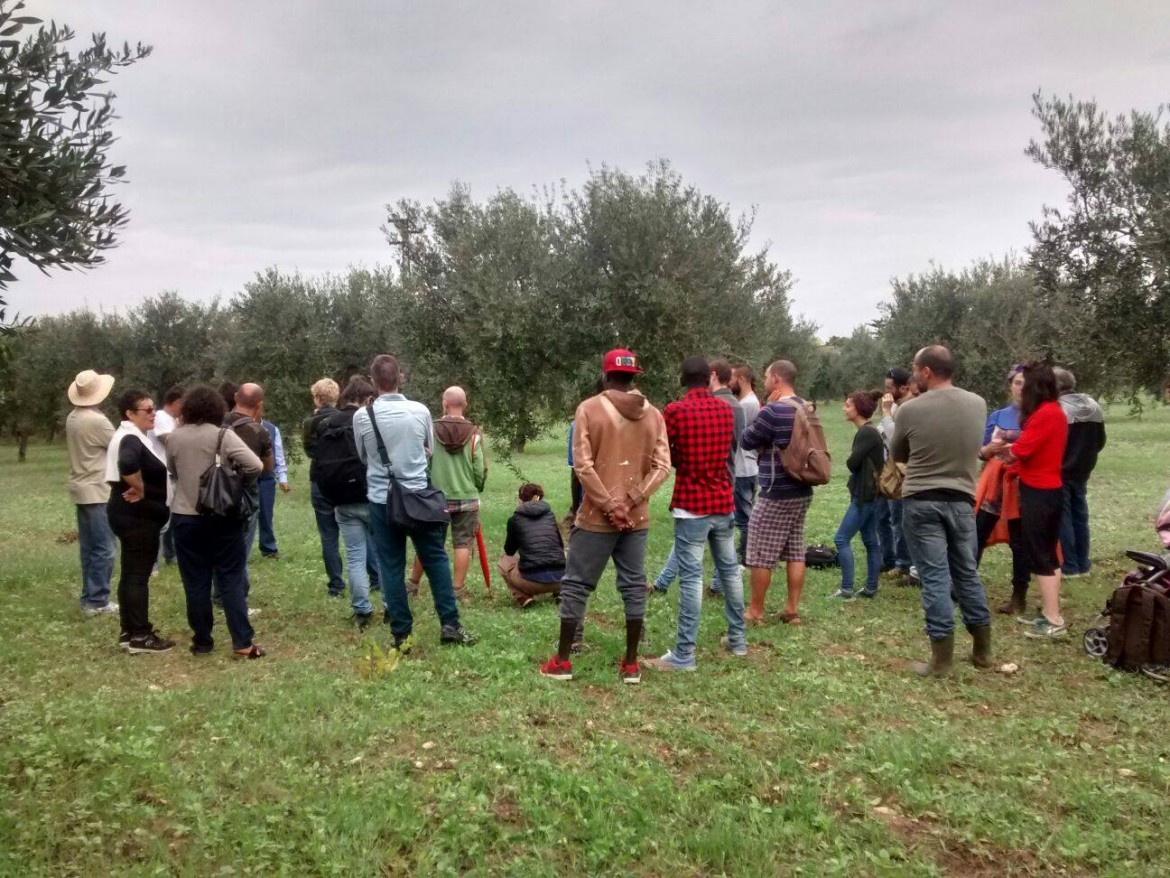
325 392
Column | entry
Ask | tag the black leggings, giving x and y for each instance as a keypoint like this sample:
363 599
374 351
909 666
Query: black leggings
140 539
984 524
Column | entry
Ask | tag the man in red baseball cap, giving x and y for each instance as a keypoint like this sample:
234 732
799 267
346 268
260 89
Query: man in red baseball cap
621 456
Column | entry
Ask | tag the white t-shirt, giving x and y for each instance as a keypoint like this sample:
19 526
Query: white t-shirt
163 424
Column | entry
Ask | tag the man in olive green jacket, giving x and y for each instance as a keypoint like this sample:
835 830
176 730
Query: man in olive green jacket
458 469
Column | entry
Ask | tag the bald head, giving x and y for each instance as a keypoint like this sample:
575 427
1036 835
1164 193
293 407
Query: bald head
933 367
454 401
249 398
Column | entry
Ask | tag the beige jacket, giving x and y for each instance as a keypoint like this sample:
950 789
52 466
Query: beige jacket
620 452
87 434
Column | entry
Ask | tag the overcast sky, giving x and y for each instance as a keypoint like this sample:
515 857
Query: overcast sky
871 137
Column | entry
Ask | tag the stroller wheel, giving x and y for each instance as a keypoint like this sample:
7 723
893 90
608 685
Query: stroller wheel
1096 642
1160 673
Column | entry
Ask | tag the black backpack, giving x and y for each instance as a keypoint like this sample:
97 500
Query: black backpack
821 557
340 473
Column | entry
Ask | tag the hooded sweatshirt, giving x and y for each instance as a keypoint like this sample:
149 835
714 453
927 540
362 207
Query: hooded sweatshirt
458 464
620 452
1086 436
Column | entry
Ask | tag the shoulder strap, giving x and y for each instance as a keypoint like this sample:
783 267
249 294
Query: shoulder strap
219 444
378 438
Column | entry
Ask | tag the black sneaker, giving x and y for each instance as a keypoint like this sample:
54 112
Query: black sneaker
403 643
124 640
201 648
363 619
148 643
451 634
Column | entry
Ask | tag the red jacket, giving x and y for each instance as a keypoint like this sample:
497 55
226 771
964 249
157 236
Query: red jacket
1039 451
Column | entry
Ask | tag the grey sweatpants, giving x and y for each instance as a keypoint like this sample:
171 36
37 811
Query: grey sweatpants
588 554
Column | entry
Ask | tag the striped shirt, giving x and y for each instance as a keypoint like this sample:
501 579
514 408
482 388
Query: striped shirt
769 434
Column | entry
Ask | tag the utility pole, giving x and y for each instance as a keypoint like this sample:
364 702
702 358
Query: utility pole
406 231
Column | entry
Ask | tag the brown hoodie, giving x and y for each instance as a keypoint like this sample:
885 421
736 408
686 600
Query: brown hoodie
454 433
620 452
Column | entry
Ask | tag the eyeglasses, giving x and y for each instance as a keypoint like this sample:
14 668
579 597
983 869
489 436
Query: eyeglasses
149 411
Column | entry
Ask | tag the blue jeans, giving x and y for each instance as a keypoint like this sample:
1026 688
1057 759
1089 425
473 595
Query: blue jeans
941 537
212 550
330 533
249 540
669 574
390 545
361 560
98 549
891 535
745 500
267 486
168 543
1074 529
691 535
863 518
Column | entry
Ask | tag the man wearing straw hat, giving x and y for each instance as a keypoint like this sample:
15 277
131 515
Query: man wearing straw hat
87 434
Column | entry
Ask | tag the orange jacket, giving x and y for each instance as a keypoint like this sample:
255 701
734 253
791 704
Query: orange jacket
998 492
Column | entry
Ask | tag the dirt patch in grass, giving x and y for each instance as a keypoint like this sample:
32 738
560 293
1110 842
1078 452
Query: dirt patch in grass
925 835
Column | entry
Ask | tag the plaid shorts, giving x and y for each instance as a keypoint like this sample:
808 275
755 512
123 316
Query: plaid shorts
776 531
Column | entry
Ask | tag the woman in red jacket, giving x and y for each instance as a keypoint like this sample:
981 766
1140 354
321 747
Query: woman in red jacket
1037 457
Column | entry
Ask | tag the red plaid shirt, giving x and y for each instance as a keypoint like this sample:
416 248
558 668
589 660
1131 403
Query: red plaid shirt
701 429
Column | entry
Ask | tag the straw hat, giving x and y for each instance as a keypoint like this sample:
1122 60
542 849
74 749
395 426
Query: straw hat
90 388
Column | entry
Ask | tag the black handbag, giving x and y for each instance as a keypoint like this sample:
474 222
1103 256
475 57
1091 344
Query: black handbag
408 510
222 491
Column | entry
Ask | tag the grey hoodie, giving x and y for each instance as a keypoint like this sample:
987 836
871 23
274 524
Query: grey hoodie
1086 436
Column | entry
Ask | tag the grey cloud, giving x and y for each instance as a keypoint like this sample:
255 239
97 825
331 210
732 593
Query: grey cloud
871 137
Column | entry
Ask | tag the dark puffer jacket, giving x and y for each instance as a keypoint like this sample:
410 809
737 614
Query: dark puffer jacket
533 532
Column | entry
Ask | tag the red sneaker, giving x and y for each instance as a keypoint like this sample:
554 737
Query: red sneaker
555 669
629 672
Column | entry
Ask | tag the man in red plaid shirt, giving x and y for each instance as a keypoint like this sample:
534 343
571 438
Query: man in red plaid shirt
701 431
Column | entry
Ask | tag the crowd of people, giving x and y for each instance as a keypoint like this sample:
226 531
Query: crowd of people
931 484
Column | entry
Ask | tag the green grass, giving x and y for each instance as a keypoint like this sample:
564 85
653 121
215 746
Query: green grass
818 755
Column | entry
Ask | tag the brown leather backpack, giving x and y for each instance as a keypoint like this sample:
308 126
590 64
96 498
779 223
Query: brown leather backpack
1139 627
806 458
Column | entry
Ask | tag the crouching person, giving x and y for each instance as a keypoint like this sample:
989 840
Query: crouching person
533 533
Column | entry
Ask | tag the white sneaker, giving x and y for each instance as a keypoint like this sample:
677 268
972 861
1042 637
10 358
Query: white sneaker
108 610
253 612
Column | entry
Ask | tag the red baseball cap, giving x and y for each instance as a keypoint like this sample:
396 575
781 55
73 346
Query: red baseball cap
621 360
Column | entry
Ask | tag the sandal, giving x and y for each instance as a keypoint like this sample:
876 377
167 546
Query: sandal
252 652
789 618
755 621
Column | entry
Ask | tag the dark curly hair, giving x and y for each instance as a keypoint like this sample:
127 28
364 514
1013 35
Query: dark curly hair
203 405
864 402
129 400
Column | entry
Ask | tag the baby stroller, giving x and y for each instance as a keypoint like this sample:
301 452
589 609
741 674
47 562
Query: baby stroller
1133 631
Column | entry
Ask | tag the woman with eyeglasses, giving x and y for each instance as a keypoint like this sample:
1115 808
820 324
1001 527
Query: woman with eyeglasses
137 509
997 518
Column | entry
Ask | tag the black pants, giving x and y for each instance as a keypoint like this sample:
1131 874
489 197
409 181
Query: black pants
576 493
139 538
213 548
984 524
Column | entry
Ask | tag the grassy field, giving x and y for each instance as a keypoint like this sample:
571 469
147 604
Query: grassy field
818 755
